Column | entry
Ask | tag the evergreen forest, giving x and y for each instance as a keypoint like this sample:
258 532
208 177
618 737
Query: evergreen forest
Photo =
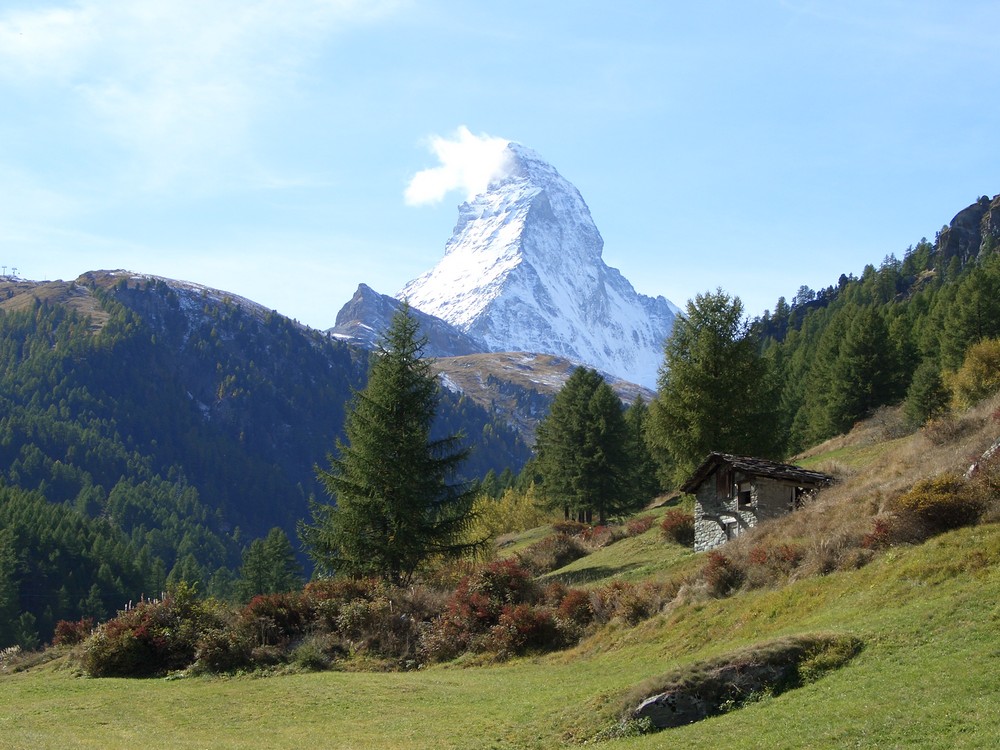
149 435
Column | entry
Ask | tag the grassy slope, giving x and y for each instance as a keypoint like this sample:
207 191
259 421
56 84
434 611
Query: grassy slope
929 675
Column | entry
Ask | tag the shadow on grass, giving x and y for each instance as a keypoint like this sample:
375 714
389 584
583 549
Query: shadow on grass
589 575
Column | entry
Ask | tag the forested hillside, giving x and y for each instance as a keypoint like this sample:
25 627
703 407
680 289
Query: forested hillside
895 333
148 433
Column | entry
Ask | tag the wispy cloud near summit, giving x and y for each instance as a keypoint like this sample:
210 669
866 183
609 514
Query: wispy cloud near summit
468 163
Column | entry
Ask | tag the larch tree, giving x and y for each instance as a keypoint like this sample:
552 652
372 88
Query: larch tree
396 498
269 567
715 389
582 449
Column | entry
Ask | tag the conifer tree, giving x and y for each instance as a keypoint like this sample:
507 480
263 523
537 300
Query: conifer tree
9 589
927 396
582 449
269 567
716 391
863 376
644 471
975 313
396 501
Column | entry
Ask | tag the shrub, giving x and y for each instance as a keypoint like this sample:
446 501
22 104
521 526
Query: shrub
625 601
640 525
475 607
768 562
327 597
551 553
678 526
224 650
378 626
597 537
152 638
71 633
945 429
553 593
338 589
257 635
721 574
311 656
503 581
881 535
576 607
8 657
942 503
522 627
572 528
276 618
984 484
979 375
781 556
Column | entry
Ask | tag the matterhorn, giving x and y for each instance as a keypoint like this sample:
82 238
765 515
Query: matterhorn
523 272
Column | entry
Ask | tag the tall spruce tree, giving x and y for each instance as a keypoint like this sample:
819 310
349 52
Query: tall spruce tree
716 391
396 501
582 449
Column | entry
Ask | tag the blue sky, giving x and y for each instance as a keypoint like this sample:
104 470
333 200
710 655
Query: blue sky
265 147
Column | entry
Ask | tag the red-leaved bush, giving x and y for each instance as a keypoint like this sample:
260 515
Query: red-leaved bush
639 525
576 607
70 633
154 637
678 526
475 607
880 536
522 627
721 574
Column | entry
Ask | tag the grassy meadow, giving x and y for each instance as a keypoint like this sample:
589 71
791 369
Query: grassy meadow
928 675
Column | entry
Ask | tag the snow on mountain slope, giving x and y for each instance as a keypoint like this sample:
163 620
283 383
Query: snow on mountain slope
523 272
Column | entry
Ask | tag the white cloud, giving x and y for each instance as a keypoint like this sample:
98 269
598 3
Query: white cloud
178 83
468 163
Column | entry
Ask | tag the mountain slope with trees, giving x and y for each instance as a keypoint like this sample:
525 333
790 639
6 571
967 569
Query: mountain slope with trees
890 335
180 422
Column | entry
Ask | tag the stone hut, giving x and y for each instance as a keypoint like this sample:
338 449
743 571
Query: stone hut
734 493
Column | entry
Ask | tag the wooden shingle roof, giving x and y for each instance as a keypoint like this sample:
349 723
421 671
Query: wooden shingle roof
760 467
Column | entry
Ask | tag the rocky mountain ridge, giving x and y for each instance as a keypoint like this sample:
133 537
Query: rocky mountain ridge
523 272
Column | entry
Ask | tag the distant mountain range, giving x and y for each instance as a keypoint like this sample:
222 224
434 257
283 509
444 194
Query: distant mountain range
202 384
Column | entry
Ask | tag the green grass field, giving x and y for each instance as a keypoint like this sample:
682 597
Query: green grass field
928 676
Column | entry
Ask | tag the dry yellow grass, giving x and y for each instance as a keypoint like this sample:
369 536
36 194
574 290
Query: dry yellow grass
872 466
24 294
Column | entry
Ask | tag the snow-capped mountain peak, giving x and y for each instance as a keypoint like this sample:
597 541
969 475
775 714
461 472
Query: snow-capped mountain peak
523 272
